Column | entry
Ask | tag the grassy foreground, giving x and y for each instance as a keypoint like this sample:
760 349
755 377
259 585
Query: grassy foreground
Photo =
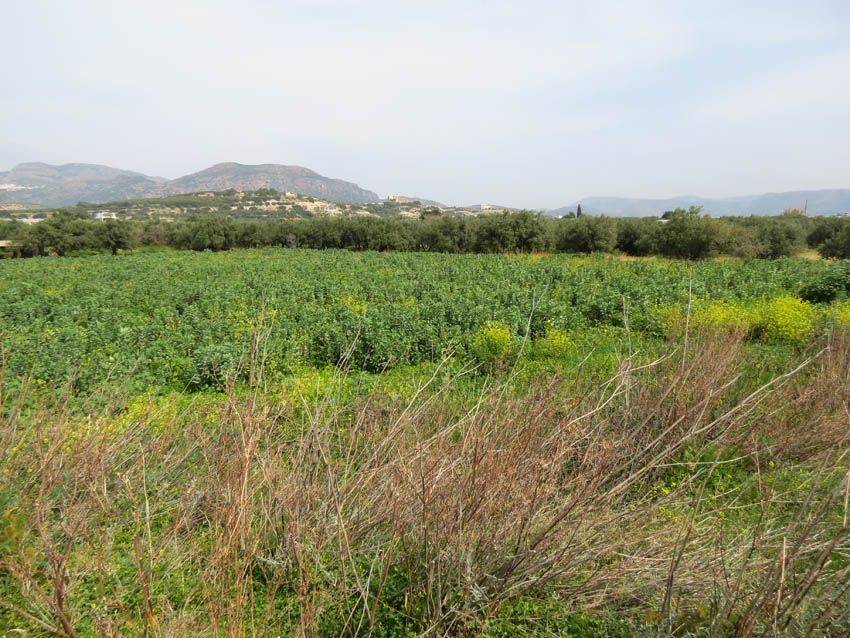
677 496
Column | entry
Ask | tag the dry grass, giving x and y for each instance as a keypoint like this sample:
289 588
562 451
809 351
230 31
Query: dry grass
676 493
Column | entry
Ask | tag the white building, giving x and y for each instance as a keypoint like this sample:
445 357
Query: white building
105 214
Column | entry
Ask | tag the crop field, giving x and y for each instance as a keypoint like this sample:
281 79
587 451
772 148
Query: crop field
275 442
184 320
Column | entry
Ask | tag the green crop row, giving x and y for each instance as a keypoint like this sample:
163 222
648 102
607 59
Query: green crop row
188 320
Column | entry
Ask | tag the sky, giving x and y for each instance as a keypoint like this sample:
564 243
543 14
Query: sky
529 104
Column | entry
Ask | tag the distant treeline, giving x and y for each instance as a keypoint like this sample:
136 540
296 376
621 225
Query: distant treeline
686 234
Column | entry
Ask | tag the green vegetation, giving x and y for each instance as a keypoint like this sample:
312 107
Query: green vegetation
681 234
186 320
339 443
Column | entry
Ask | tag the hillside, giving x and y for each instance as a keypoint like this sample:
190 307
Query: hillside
282 178
38 185
820 202
262 203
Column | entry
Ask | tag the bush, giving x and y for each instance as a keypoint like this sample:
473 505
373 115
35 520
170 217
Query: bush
509 232
784 319
214 365
113 235
837 245
493 343
637 237
822 228
205 234
779 237
736 240
587 235
556 344
722 316
710 316
444 235
841 315
834 284
687 235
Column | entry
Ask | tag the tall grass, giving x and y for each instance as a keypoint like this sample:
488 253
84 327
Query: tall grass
678 494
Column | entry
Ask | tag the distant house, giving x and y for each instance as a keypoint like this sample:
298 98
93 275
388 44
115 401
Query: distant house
290 195
105 214
488 207
392 198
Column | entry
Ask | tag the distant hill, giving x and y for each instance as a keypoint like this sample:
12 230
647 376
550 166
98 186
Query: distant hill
820 202
36 184
407 199
277 176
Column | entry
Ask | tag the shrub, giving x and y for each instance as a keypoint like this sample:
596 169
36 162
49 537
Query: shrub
113 235
354 303
493 343
204 234
722 316
687 235
832 285
556 344
214 365
736 239
711 316
637 236
822 228
784 319
508 232
587 235
444 234
837 245
779 237
841 315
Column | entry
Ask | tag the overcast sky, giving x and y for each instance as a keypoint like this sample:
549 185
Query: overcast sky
521 103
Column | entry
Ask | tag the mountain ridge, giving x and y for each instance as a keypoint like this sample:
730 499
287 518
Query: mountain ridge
829 201
40 184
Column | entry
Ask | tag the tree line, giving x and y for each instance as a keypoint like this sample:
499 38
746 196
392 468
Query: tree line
685 234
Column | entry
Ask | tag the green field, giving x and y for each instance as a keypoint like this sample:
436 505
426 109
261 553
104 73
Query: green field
330 443
184 320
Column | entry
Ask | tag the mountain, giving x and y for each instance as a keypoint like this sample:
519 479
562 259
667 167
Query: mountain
40 184
819 202
37 184
407 199
282 178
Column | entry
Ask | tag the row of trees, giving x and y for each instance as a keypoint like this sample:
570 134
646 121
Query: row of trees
683 234
67 233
